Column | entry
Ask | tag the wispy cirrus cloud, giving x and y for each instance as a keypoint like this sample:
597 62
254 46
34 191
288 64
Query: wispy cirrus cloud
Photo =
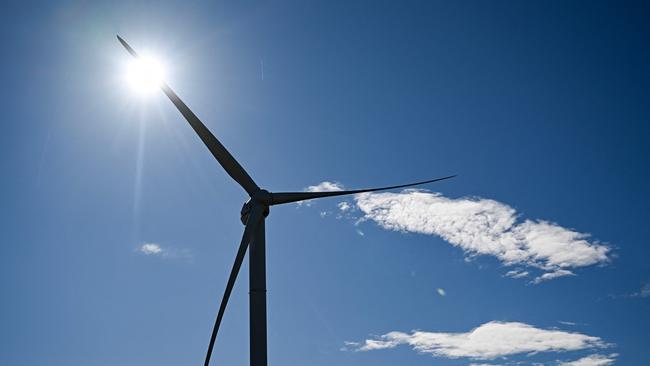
517 273
643 291
554 274
487 342
592 360
563 322
480 227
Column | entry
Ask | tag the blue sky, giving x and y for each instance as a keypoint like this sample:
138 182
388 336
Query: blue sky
119 228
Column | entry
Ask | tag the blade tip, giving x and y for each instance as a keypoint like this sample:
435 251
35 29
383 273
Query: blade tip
128 48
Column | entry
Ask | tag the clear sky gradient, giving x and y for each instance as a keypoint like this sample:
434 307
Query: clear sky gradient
119 228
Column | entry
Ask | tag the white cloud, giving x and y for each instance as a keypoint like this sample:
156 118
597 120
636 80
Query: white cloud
325 187
151 249
517 273
344 206
551 275
441 292
321 187
350 346
154 249
593 360
489 341
566 323
485 227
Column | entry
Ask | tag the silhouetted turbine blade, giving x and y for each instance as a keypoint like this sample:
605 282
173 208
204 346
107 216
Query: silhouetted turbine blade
288 197
128 48
227 161
222 155
254 218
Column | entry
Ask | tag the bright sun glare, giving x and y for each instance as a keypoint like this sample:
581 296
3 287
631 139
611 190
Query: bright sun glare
145 74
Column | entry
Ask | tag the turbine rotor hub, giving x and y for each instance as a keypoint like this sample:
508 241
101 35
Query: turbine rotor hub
262 198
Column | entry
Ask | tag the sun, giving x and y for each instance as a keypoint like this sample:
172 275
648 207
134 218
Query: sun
145 74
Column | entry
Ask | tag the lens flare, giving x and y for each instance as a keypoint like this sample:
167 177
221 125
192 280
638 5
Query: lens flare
145 74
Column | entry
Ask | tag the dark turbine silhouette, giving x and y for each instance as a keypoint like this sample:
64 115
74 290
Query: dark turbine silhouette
253 214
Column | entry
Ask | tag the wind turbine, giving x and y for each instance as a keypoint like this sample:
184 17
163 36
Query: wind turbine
253 214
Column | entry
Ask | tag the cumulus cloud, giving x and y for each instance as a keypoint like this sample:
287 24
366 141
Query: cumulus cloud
325 187
485 227
486 342
154 249
593 360
151 249
344 206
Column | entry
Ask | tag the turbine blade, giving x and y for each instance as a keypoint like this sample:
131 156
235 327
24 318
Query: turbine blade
254 218
288 197
227 161
128 48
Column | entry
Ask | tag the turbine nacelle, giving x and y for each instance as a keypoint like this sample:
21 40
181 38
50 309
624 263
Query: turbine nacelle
261 197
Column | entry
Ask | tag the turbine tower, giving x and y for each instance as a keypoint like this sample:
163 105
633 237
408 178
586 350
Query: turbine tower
253 215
